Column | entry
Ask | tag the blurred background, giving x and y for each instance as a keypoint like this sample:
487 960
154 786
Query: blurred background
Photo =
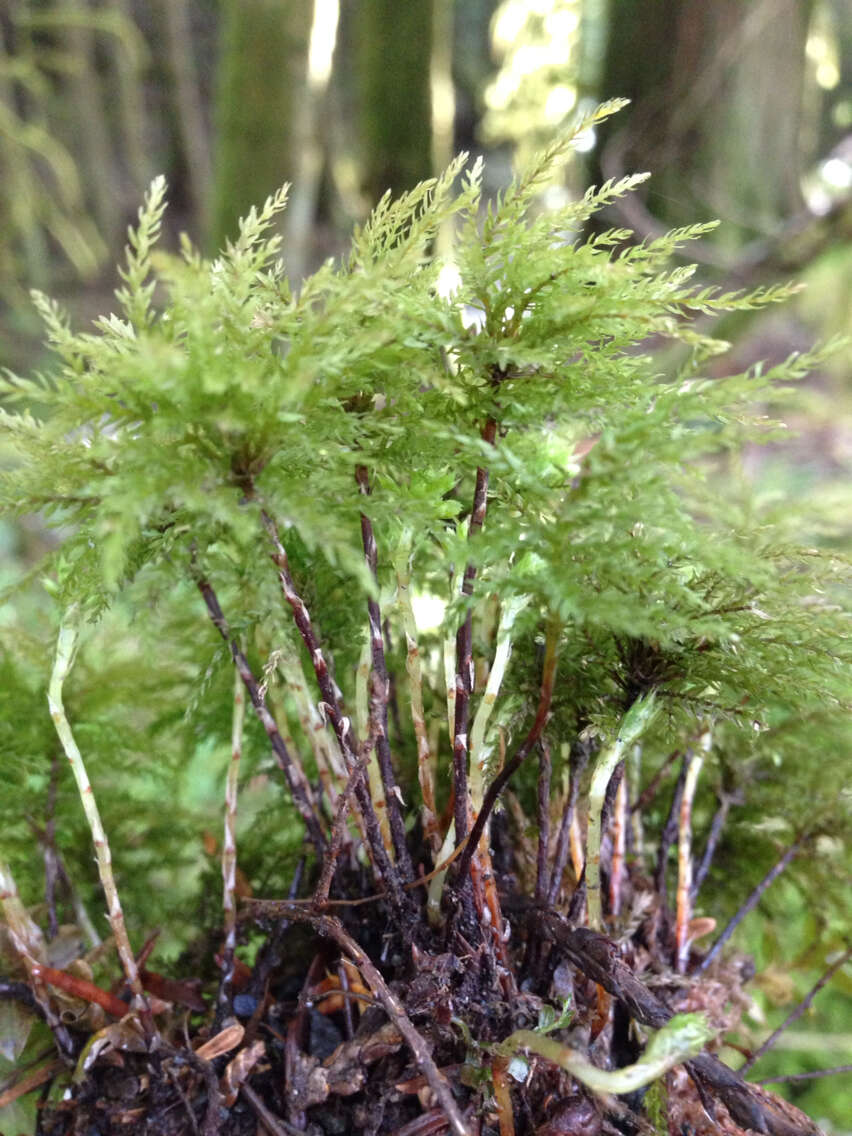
742 109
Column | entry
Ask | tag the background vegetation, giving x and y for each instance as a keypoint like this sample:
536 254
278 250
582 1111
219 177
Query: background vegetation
742 111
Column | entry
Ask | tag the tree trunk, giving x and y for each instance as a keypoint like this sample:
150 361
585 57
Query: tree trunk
393 58
716 94
262 74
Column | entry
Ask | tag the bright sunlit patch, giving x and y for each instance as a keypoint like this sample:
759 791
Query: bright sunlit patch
428 611
323 39
585 141
837 173
449 280
560 102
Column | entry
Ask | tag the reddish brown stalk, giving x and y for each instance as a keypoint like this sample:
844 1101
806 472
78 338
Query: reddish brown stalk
496 787
669 833
296 780
464 655
545 770
619 830
80 988
716 826
650 791
380 670
344 801
797 1012
339 722
563 841
752 901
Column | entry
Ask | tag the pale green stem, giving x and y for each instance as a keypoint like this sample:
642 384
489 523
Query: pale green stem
684 852
436 884
362 725
324 745
229 847
509 612
683 1037
633 725
25 934
636 816
425 761
450 680
66 647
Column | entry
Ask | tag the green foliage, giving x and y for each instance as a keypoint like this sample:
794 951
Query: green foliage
219 392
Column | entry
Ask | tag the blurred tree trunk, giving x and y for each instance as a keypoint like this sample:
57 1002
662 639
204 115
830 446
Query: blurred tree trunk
393 55
262 75
716 94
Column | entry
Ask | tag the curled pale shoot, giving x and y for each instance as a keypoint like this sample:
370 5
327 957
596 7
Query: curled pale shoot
680 1039
633 725
66 649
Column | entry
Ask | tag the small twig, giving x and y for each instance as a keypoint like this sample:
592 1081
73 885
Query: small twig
464 677
619 833
669 832
212 1121
66 647
578 761
229 850
340 724
805 1076
332 928
797 1011
548 680
716 827
545 769
650 791
752 901
296 780
344 801
276 1125
634 723
380 670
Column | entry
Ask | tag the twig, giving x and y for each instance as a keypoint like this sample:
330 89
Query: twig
578 761
296 780
634 723
339 722
276 1125
692 764
356 778
66 647
545 769
650 791
716 826
798 1010
805 1076
380 670
750 903
669 832
548 680
332 928
619 832
464 677
229 849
